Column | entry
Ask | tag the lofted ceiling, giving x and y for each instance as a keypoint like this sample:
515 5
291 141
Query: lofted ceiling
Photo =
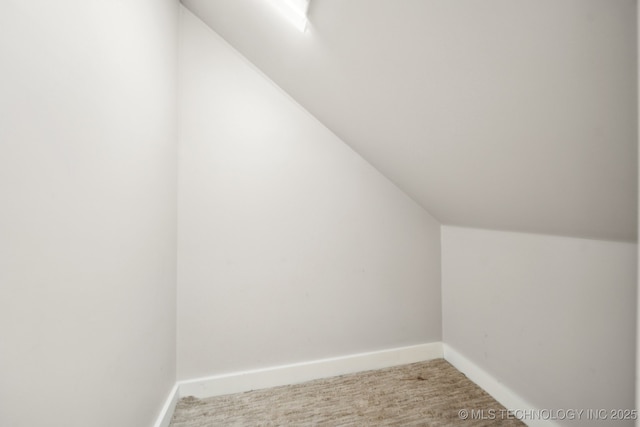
501 114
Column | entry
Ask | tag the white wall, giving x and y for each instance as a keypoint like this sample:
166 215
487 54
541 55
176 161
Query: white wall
550 317
291 247
486 112
638 263
88 133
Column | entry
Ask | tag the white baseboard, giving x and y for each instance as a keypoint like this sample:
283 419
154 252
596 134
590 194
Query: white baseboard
164 419
306 371
238 382
495 388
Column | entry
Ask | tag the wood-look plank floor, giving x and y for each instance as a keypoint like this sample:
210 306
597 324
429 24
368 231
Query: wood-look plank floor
429 393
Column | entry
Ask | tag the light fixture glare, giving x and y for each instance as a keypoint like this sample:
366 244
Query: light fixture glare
295 11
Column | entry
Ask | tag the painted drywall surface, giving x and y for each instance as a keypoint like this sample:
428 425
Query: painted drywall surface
487 112
88 131
291 247
638 263
550 317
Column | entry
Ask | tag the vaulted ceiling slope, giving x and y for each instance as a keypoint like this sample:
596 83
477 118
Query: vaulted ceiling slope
499 114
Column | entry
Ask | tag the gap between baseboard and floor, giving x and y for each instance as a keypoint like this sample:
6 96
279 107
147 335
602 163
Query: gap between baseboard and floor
295 373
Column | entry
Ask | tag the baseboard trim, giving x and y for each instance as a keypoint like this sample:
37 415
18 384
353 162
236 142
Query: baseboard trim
306 371
495 388
169 407
238 382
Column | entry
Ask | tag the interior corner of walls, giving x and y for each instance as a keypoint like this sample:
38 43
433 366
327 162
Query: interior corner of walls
442 284
169 407
498 390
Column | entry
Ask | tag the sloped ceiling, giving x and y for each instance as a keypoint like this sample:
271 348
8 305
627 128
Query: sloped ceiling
500 114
